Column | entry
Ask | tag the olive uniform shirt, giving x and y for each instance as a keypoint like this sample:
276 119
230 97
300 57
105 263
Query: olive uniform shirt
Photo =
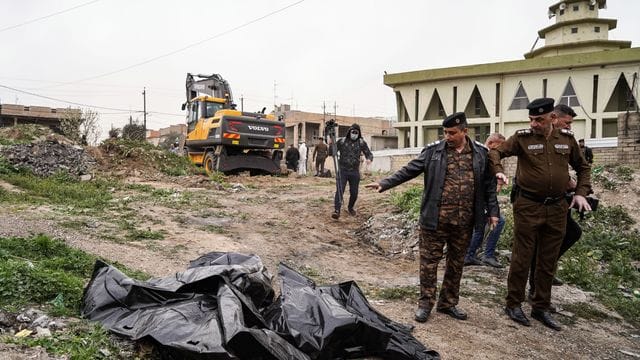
543 162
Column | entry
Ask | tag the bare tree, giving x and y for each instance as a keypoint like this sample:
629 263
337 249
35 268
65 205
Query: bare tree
90 128
80 126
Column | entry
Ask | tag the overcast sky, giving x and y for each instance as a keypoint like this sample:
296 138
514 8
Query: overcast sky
104 52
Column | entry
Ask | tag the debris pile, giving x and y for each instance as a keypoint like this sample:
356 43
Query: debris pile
400 239
123 158
49 157
30 321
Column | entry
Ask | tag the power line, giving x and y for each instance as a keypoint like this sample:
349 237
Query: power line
156 89
163 113
69 102
182 48
47 16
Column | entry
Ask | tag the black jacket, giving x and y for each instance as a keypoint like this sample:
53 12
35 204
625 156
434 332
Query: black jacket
292 156
350 150
433 163
588 154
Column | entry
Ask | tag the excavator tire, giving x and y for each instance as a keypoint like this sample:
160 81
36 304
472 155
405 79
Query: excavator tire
210 163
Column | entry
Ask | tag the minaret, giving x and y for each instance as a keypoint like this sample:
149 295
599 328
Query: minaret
578 29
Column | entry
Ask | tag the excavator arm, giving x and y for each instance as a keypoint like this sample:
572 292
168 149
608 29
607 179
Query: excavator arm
213 85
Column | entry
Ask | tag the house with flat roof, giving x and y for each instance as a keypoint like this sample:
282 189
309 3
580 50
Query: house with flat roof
14 114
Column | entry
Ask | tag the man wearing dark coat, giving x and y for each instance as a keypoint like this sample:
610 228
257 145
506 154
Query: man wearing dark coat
458 187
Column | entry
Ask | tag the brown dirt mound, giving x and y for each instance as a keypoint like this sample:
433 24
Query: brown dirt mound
124 158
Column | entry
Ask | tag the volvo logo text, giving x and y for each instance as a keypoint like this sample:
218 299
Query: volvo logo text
258 128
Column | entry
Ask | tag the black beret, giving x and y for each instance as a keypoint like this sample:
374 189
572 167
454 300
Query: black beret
454 120
565 109
540 106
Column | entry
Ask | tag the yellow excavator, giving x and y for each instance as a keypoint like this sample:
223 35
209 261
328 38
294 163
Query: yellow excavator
222 138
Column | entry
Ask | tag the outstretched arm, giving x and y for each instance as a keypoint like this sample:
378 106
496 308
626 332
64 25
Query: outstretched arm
414 168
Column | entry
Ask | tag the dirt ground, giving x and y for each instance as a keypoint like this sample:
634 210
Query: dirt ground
287 219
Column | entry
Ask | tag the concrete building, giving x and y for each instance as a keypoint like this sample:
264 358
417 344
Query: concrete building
157 137
577 65
378 132
11 115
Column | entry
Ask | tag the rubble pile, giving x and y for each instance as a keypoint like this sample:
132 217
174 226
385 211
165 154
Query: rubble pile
399 239
31 321
49 157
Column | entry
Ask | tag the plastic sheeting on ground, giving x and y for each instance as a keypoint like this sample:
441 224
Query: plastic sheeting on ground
222 307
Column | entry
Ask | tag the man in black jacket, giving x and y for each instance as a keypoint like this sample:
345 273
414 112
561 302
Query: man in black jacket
349 150
586 151
292 157
458 187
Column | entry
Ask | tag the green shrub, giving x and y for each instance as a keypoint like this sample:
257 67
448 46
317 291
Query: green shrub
624 173
40 269
601 261
506 237
61 189
409 201
43 270
396 293
6 167
176 165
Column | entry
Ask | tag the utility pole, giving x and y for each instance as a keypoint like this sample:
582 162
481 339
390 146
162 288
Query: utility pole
324 112
144 110
274 97
324 119
241 103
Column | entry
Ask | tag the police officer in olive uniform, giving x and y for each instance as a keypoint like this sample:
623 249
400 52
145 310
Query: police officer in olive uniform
458 186
539 210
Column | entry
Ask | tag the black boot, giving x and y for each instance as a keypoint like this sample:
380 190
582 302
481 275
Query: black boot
454 313
545 318
422 314
516 314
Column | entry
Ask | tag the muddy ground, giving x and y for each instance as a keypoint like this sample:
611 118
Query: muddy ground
287 219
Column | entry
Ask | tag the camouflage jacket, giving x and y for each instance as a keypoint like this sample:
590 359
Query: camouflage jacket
432 162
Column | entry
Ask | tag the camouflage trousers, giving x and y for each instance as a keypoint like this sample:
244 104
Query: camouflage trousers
431 252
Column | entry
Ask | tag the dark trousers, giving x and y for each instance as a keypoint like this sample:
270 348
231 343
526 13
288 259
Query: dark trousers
571 236
353 178
431 245
538 229
320 165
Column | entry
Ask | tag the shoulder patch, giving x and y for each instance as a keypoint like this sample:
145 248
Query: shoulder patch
524 132
433 143
566 132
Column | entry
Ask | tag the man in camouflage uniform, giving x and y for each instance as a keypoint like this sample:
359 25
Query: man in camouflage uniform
539 210
458 186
